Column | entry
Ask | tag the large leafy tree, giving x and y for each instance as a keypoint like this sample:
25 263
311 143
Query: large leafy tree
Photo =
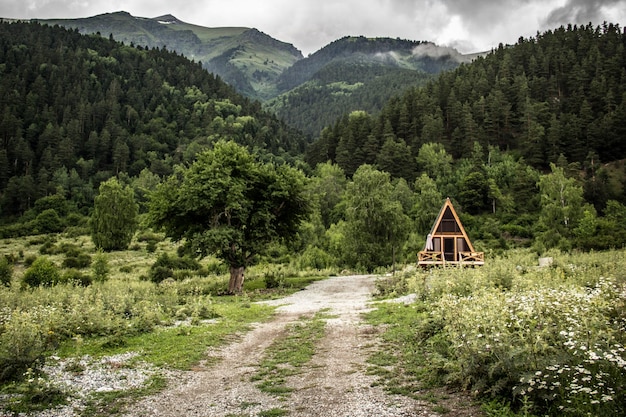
114 219
562 206
428 201
231 205
376 225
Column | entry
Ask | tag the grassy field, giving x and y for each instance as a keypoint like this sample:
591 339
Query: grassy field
522 339
105 304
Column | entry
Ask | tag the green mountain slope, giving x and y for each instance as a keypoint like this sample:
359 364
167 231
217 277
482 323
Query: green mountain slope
249 60
355 73
77 109
348 74
383 52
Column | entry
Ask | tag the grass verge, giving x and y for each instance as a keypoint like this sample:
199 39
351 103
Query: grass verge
176 347
286 356
400 363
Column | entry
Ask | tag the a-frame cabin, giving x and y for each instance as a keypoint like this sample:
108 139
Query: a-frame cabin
447 243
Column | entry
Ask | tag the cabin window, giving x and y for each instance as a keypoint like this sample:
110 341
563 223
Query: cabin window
448 224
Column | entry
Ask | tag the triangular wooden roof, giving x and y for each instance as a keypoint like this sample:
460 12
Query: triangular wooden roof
433 231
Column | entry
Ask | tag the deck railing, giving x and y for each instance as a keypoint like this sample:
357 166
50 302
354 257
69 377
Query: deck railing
428 256
436 258
472 257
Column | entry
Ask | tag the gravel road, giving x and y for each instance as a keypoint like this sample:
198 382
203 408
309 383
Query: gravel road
334 383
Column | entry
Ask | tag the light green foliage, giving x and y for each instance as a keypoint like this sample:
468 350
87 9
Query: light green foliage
561 206
42 272
143 184
588 224
326 188
427 204
100 266
22 342
503 177
434 161
114 219
376 225
548 339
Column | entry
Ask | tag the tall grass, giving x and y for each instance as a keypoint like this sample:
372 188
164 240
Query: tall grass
549 339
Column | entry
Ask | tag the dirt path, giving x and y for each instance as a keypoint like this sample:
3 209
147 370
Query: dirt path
334 383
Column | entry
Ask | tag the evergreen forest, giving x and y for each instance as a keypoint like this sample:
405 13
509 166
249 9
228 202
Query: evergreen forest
77 109
528 141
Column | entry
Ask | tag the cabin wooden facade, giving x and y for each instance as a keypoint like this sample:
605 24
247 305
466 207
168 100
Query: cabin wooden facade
447 243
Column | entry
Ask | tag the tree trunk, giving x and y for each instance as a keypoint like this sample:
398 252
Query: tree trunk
235 284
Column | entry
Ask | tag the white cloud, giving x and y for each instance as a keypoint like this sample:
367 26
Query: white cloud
470 26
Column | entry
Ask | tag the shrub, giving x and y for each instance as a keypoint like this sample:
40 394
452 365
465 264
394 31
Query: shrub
28 261
216 267
56 202
151 246
126 269
160 273
315 258
21 345
78 221
100 267
165 265
393 285
43 272
6 271
79 261
17 229
48 248
114 219
49 222
77 278
76 231
274 280
549 338
151 239
181 274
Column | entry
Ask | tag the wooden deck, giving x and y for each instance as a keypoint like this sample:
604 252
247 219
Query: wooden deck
431 258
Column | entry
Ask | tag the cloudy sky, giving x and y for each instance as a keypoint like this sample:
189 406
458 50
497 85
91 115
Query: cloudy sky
467 25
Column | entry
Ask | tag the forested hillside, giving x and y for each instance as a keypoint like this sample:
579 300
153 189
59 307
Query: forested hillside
355 73
245 58
382 51
561 93
351 73
528 142
76 110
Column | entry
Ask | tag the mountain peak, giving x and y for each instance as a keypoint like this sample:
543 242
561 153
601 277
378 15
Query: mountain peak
167 19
